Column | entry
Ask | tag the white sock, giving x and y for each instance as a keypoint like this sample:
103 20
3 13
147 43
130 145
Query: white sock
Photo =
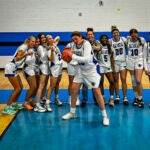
136 94
57 96
38 104
104 114
140 98
73 110
111 97
47 101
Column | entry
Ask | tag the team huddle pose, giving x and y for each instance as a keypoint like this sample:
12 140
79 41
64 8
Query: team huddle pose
88 60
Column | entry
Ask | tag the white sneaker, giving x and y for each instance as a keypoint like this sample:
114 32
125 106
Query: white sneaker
58 102
47 107
69 115
105 121
39 108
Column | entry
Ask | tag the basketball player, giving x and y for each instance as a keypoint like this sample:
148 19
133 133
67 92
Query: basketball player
136 57
87 73
44 73
13 77
55 69
104 59
31 73
118 47
96 48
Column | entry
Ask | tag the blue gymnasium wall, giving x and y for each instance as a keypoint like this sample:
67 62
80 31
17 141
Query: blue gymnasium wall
9 41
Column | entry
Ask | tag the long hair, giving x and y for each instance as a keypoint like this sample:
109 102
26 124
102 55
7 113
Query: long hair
108 45
136 31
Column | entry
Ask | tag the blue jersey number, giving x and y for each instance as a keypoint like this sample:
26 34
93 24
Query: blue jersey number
134 52
119 51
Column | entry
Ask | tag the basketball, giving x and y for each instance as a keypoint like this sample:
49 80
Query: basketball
65 55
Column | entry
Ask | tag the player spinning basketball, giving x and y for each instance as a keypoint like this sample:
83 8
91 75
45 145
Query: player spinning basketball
87 73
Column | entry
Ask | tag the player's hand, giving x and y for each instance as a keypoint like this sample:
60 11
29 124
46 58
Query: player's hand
29 53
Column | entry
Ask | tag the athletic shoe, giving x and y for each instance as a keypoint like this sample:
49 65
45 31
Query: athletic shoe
9 110
27 106
39 108
117 100
111 102
16 106
32 103
83 104
58 102
141 103
105 121
135 102
47 107
125 101
69 115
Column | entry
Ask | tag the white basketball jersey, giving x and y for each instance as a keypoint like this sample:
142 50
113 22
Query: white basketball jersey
43 54
31 59
118 49
57 56
83 55
148 52
135 50
23 48
104 57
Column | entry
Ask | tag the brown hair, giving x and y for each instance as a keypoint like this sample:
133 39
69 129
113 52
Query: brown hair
136 31
76 33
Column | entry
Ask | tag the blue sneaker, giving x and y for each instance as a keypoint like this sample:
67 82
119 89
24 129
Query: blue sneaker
16 106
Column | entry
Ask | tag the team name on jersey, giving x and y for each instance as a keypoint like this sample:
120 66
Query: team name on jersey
133 45
104 51
116 45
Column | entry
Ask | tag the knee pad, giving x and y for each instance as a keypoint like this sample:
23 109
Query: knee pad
133 80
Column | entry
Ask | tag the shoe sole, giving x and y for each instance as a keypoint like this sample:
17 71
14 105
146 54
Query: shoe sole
39 111
69 118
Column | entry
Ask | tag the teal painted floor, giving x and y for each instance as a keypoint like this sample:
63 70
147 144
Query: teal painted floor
129 130
129 127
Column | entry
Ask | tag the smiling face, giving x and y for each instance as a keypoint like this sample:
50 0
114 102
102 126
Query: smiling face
90 35
116 34
37 42
49 40
104 40
31 42
134 36
43 39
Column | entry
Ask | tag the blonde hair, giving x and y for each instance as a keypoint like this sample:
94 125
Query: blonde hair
28 39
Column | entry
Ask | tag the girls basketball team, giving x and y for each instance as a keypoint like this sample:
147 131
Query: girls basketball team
41 59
